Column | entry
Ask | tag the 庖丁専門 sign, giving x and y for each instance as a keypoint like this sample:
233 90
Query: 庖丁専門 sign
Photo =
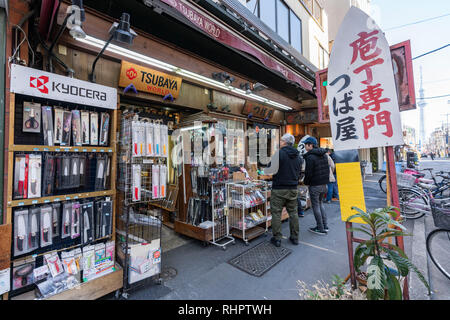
149 80
362 96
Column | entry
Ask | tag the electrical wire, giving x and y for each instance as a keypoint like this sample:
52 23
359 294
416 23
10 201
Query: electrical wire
417 22
448 44
435 97
21 42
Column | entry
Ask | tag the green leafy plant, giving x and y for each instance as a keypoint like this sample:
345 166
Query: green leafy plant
339 284
383 282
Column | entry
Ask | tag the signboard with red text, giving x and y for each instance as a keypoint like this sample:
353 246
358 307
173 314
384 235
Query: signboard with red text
362 97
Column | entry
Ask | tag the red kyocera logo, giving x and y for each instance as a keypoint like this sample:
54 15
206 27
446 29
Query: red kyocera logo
131 73
39 83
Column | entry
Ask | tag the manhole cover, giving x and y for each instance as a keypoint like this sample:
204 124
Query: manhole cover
259 259
168 273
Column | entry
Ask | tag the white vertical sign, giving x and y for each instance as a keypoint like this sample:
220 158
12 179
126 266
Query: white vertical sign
361 89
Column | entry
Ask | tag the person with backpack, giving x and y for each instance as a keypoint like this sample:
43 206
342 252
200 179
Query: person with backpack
332 193
317 176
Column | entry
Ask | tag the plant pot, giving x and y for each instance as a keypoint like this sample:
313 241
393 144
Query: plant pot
361 277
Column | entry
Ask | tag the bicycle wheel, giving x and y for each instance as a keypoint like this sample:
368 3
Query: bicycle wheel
382 183
412 203
438 246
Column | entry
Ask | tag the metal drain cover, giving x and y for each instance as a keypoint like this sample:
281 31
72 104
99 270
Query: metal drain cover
168 273
260 259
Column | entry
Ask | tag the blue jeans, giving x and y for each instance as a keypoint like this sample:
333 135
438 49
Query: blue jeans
299 206
332 191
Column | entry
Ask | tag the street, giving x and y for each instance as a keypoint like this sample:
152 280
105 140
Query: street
203 272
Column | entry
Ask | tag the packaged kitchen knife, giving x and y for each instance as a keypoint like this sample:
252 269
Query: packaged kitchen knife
66 220
164 140
149 139
74 171
20 176
136 184
20 231
46 226
87 212
33 228
106 219
56 219
135 139
48 180
75 221
94 128
47 125
98 219
34 176
157 139
100 173
67 128
155 181
162 180
76 128
85 127
104 129
58 125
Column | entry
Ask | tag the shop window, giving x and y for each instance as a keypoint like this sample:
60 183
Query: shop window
283 20
253 6
315 10
323 57
267 11
296 31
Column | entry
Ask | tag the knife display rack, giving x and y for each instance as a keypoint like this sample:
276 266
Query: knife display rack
89 290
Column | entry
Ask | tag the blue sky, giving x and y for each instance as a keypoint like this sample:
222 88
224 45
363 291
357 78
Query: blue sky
424 37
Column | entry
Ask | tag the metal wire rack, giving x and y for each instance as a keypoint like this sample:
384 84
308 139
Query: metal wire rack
221 236
247 209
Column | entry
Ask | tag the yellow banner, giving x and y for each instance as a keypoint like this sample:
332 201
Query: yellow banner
149 80
351 192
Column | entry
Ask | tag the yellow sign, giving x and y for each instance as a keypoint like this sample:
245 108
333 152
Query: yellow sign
149 80
351 192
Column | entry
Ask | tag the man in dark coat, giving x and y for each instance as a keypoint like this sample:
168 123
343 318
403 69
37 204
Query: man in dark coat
285 167
317 176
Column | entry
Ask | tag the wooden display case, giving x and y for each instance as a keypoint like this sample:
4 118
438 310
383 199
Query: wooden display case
102 285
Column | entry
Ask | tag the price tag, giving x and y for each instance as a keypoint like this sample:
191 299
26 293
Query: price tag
35 149
21 203
67 198
34 202
45 149
56 199
46 201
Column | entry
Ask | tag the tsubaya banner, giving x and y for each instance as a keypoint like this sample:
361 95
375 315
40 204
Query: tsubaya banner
362 97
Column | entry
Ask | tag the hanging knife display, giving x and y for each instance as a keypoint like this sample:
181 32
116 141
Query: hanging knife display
33 237
75 225
47 125
88 222
46 226
56 219
20 176
49 174
85 127
34 180
104 129
31 117
66 217
20 231
136 184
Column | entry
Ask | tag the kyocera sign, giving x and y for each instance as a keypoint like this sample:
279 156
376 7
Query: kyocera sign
38 83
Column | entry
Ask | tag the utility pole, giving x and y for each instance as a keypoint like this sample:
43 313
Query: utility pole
447 151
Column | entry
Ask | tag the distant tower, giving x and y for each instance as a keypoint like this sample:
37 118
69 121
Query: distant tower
421 105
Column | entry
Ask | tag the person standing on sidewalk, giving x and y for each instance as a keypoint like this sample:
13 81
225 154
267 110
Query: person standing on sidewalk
317 176
285 167
332 193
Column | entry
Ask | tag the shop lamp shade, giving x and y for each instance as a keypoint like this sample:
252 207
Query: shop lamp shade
121 31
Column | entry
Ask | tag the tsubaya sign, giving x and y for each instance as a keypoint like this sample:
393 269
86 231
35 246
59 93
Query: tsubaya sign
149 80
38 83
362 97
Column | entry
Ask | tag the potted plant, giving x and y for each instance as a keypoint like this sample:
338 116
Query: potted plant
383 282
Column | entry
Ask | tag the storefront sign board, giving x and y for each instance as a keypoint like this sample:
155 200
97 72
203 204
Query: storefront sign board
302 117
149 80
38 83
364 111
258 110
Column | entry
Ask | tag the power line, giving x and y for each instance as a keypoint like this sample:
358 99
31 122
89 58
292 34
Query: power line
448 44
417 22
435 97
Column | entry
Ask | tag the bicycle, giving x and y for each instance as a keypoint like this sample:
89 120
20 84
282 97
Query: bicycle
382 180
438 241
412 195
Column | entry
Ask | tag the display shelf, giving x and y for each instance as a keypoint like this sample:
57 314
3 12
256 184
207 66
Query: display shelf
193 231
250 234
39 148
64 197
90 290
251 225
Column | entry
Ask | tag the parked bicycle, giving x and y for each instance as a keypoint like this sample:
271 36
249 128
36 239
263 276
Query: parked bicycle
414 194
438 241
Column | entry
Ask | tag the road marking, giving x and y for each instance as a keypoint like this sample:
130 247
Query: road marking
320 248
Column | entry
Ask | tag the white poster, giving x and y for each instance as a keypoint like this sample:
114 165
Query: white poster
362 97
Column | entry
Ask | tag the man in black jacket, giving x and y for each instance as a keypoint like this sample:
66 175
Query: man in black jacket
285 167
317 176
